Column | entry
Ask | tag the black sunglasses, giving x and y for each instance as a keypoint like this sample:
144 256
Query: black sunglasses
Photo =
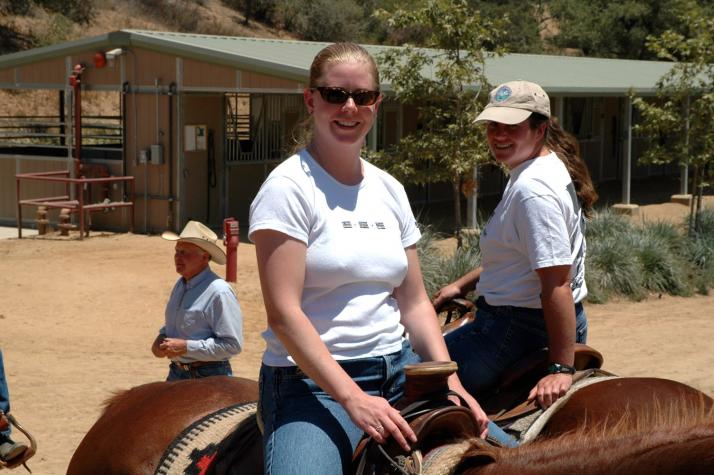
338 95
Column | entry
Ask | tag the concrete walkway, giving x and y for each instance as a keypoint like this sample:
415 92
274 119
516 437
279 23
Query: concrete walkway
7 232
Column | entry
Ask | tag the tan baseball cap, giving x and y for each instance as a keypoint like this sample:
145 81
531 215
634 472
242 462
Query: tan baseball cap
199 235
514 101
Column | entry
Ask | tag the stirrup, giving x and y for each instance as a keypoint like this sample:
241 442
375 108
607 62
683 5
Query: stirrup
7 419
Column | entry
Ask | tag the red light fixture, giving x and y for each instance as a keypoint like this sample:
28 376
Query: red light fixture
100 60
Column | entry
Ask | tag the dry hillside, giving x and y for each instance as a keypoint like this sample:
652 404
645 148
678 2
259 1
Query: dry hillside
40 27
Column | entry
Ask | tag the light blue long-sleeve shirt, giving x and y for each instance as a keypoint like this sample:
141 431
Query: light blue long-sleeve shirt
205 312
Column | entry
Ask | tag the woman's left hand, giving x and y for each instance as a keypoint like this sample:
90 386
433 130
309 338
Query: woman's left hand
551 388
481 417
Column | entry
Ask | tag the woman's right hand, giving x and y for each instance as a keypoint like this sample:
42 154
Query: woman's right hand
445 294
377 418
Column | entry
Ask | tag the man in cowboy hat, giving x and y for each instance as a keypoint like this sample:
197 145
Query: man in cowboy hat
204 323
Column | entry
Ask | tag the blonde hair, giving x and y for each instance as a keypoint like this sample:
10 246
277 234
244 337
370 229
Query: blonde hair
336 53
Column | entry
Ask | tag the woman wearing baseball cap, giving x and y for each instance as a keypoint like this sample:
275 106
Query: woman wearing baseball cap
531 283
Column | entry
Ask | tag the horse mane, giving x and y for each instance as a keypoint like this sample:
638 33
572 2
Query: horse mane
142 391
617 447
114 399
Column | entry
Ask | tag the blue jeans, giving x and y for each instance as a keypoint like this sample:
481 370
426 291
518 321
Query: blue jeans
308 432
4 399
500 336
220 368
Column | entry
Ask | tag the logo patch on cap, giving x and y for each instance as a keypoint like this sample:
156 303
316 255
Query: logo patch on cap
503 93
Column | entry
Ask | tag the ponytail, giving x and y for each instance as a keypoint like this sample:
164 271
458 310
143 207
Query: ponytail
567 149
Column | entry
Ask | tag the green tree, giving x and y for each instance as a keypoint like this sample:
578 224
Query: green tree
679 120
443 84
608 29
523 22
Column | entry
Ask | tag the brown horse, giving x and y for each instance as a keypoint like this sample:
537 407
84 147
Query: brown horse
139 424
623 419
663 442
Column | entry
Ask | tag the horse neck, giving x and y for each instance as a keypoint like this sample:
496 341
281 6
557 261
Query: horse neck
667 451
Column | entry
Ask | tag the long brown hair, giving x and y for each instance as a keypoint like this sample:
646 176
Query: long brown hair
336 53
567 148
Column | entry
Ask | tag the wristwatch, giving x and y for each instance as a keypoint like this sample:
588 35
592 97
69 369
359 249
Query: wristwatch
555 368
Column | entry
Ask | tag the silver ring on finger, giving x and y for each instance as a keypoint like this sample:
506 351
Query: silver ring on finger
379 428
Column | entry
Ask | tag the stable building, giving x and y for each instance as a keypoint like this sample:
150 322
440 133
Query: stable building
197 122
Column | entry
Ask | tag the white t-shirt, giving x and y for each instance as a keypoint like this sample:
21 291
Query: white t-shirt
355 237
538 223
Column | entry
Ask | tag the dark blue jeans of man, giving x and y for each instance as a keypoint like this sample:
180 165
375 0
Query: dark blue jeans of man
4 399
500 336
220 368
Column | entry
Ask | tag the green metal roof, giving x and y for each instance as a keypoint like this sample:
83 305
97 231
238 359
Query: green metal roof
558 75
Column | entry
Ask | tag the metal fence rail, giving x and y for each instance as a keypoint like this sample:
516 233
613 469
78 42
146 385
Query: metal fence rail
74 205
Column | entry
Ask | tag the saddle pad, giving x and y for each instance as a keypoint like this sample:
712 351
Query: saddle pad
445 459
195 448
528 427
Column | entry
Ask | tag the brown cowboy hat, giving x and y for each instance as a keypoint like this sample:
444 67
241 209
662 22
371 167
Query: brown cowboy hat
199 235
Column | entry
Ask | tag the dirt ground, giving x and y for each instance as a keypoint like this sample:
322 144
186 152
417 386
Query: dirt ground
77 320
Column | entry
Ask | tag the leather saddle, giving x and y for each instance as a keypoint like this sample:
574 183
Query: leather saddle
513 387
515 384
436 421
432 416
456 313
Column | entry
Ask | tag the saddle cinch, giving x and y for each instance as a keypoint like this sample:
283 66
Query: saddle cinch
5 421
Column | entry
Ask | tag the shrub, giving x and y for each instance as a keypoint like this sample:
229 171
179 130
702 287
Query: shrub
706 223
439 270
15 7
607 223
314 20
700 252
330 20
182 15
11 40
59 28
662 270
613 268
79 11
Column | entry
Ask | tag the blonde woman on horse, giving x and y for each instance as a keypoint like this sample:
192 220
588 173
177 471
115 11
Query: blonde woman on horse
335 239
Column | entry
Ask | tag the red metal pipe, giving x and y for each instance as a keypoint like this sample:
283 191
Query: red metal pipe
75 80
231 239
19 208
65 201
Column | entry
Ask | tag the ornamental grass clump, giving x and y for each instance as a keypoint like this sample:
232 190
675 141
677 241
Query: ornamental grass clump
612 268
429 258
699 252
658 247
606 223
439 270
463 260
